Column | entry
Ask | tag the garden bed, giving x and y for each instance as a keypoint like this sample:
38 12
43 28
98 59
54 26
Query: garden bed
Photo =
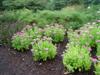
16 63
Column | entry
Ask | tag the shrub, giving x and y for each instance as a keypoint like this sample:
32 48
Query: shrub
56 32
56 4
97 69
44 17
12 22
93 10
85 36
43 50
33 31
95 31
80 37
71 2
73 19
21 41
69 17
92 31
76 58
80 43
19 4
23 15
8 29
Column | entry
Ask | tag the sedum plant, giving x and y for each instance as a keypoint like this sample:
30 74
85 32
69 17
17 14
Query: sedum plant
56 32
76 58
21 41
43 50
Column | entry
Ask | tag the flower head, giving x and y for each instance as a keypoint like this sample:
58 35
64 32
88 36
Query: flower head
90 49
98 21
46 49
20 33
97 41
94 59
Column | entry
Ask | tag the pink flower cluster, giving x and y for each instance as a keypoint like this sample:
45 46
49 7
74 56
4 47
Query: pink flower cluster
94 59
98 21
20 33
90 49
97 41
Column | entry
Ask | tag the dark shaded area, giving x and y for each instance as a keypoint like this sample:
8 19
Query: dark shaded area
94 51
16 63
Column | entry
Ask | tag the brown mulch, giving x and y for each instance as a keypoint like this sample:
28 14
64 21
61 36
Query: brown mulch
17 63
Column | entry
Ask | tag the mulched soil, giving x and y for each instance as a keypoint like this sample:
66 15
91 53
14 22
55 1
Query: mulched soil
17 63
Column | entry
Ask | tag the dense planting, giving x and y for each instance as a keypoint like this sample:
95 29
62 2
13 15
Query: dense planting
69 17
77 55
42 28
40 39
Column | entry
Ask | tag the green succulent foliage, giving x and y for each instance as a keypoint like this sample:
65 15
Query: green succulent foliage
76 58
43 50
56 32
97 69
21 41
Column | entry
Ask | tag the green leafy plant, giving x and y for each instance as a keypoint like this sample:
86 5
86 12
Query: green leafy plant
79 37
85 36
23 15
97 69
56 32
76 58
21 41
33 31
43 50
80 42
19 4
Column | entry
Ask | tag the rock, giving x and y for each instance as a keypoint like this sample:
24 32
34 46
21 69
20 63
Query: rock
65 73
52 69
40 63
8 49
23 59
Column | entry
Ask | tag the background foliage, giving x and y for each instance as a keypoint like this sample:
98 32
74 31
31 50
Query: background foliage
42 4
15 14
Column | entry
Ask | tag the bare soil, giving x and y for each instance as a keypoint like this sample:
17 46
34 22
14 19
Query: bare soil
17 63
